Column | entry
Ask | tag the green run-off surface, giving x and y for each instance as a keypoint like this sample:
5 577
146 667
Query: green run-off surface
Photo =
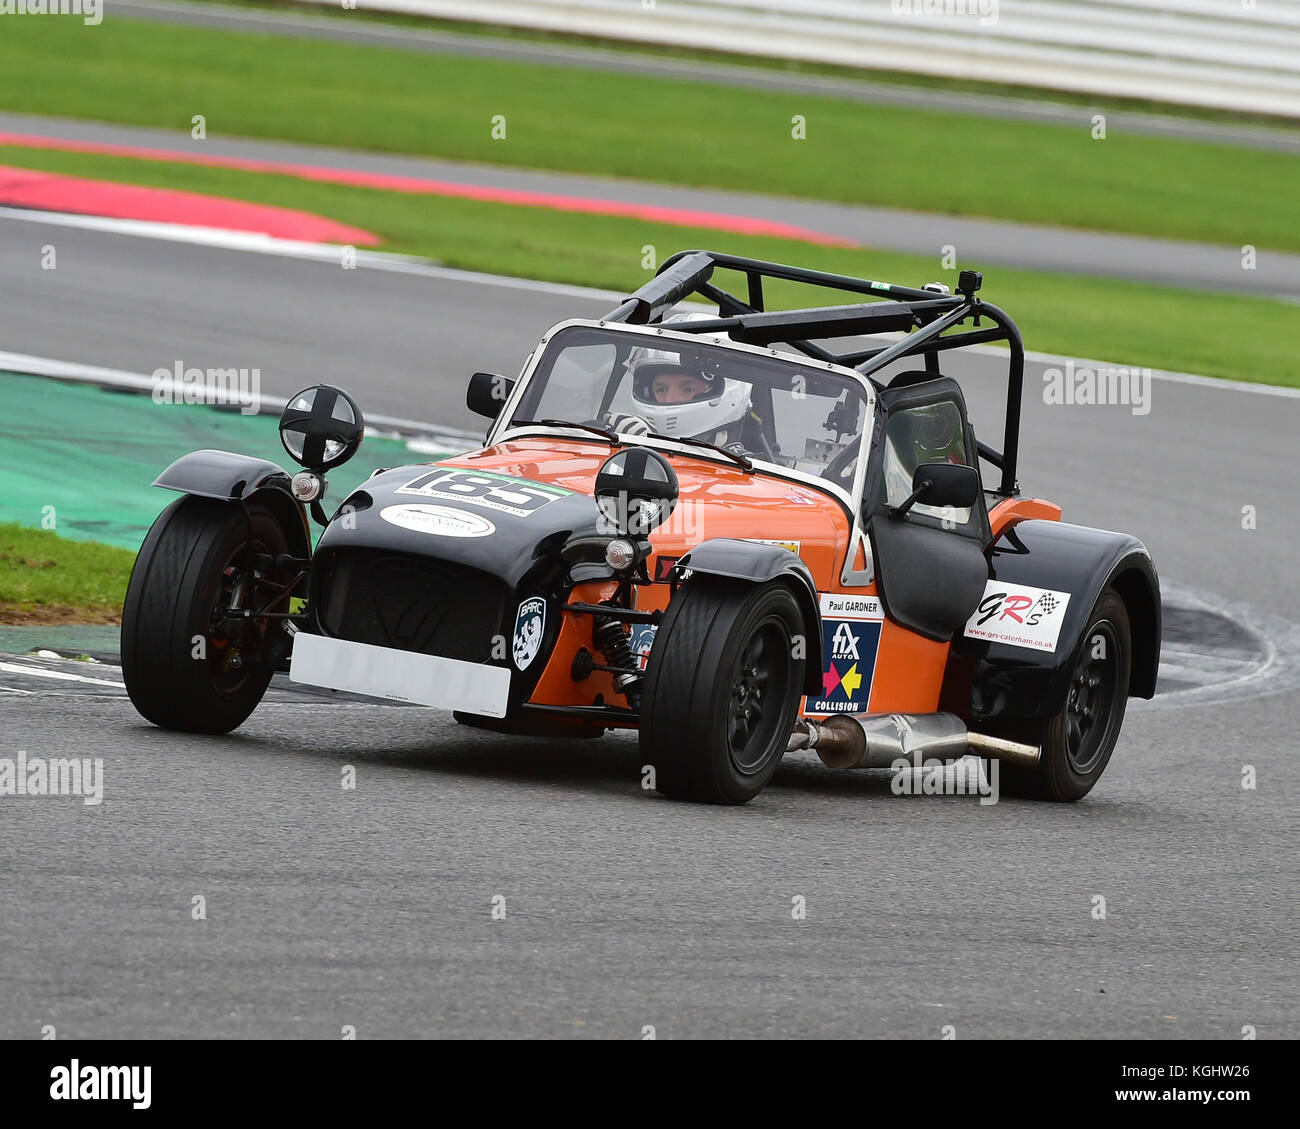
91 453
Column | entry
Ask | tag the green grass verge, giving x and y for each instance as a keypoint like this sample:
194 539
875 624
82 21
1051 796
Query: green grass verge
1126 322
1100 100
657 129
47 578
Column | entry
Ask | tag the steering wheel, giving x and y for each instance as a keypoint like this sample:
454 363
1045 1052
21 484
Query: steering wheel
841 468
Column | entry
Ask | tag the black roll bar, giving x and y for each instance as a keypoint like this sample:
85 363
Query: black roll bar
929 317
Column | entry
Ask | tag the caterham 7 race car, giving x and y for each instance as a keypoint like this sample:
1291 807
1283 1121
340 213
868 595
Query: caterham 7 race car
716 530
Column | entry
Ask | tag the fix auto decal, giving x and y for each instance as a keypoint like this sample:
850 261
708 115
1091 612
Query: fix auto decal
500 492
851 627
1019 616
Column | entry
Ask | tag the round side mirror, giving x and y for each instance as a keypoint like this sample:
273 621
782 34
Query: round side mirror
321 427
636 491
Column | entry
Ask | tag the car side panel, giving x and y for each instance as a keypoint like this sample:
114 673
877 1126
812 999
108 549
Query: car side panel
556 686
909 671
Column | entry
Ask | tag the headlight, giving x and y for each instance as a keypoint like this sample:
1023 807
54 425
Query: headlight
321 427
636 491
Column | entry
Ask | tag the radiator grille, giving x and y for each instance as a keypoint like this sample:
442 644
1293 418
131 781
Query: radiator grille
410 603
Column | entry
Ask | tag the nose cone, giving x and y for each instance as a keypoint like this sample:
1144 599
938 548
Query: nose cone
495 523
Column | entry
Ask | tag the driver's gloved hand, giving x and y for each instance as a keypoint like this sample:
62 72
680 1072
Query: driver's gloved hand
627 424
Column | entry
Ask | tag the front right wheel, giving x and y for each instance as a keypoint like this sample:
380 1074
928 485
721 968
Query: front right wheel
722 689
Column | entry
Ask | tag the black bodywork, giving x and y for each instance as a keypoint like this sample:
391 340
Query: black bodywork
992 682
375 582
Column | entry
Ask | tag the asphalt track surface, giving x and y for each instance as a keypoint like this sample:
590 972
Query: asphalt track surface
1164 262
373 907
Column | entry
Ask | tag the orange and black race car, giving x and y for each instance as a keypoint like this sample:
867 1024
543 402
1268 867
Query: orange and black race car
738 533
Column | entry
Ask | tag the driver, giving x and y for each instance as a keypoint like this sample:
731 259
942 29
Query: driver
674 396
678 386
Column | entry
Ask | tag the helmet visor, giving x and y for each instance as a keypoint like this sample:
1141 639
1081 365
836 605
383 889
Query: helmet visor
669 382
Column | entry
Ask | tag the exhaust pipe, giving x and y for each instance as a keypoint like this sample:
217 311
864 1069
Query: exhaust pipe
878 740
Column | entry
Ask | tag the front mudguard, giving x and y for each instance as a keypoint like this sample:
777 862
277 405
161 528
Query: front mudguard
757 563
995 683
229 477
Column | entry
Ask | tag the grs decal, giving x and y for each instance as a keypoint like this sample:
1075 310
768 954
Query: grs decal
1019 616
851 627
441 521
515 496
530 625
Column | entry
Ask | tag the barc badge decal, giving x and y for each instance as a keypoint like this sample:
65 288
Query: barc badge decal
530 623
642 640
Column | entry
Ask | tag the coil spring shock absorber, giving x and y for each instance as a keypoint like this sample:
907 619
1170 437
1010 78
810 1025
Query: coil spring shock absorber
612 642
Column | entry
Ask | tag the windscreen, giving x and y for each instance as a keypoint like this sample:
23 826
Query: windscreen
770 408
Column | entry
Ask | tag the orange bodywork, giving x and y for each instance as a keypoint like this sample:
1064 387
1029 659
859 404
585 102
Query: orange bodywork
1011 510
886 667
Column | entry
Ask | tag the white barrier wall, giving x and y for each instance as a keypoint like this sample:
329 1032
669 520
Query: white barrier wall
1228 54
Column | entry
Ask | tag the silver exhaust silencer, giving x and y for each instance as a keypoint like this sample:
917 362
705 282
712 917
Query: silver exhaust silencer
878 740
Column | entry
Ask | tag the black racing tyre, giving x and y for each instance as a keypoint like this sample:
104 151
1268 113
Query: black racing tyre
722 689
188 567
1078 741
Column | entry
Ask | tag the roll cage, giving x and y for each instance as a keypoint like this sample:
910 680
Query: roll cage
931 319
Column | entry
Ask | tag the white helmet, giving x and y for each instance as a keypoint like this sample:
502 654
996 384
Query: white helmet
717 406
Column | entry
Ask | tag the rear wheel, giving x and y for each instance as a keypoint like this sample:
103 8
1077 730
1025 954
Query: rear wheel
722 690
185 665
1078 741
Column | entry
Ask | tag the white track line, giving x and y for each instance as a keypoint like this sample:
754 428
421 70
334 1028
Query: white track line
18 668
137 382
296 249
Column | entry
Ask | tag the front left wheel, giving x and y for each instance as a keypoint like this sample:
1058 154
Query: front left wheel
186 665
722 690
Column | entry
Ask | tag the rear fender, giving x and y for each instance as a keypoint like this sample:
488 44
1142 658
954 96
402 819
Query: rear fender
991 681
